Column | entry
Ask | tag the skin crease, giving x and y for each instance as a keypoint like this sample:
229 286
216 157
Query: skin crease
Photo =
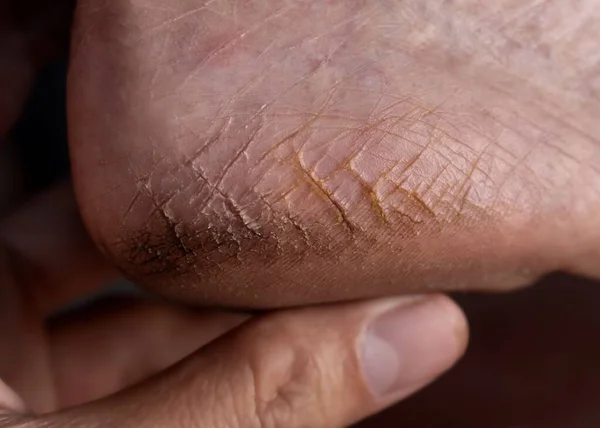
379 147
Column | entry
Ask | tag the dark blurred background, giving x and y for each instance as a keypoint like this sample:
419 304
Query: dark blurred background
40 136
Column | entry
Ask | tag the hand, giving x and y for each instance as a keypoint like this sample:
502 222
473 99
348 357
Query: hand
317 367
398 146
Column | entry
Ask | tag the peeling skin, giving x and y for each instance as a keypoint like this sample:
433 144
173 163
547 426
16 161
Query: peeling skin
379 142
318 186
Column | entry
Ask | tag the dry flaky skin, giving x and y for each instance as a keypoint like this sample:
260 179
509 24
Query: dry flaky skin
268 153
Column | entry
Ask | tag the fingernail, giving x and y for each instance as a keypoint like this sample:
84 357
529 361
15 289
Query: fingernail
407 346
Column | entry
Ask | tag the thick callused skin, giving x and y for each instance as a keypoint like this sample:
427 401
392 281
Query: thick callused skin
270 153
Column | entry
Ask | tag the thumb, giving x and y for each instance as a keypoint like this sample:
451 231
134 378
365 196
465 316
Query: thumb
314 367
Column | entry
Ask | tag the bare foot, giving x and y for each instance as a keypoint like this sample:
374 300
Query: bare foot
268 153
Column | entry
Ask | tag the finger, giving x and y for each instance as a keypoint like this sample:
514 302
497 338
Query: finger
315 367
534 347
9 400
117 343
56 260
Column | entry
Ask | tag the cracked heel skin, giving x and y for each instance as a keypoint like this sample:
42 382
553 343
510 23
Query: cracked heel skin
276 153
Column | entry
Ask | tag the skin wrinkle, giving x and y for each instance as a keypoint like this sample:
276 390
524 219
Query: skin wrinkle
376 202
181 16
241 151
418 156
415 195
298 130
228 44
522 96
346 165
209 142
155 75
555 118
131 206
171 226
308 76
468 179
235 208
198 174
321 190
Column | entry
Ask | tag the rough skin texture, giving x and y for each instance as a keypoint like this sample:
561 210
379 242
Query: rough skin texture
269 153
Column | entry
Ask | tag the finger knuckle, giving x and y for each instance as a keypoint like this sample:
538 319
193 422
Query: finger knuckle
286 382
